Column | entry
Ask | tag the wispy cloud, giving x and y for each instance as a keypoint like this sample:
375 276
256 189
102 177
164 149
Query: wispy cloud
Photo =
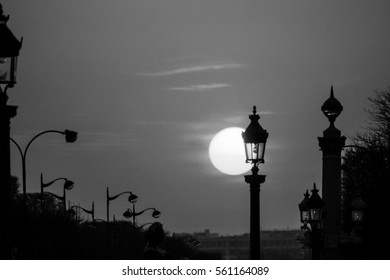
200 88
195 69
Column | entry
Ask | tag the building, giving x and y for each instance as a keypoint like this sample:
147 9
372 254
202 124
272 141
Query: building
275 245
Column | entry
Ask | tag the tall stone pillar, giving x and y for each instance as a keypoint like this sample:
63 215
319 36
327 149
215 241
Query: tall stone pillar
331 145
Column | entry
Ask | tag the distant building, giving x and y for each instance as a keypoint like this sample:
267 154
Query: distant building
275 245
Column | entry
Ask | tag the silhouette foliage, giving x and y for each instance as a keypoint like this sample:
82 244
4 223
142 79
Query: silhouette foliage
366 172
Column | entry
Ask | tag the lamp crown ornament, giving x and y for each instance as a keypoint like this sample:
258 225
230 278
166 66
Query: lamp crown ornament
331 107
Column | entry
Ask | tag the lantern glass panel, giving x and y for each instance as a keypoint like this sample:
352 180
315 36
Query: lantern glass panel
315 215
7 70
357 215
254 151
304 216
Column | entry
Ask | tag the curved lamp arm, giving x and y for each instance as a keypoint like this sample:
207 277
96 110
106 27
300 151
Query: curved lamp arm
91 212
132 198
17 146
155 214
70 137
45 185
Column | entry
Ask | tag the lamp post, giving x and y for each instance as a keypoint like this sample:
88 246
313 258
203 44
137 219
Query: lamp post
255 138
68 185
70 137
71 211
132 199
358 207
9 52
128 213
311 213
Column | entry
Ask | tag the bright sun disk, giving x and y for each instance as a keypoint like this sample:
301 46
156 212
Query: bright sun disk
226 152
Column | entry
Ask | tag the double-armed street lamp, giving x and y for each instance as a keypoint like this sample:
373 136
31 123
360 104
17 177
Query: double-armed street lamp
311 214
255 138
91 212
68 185
132 214
70 137
132 199
9 52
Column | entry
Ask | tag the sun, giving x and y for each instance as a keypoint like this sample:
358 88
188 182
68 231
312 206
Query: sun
226 151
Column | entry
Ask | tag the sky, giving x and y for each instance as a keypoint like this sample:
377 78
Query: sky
147 84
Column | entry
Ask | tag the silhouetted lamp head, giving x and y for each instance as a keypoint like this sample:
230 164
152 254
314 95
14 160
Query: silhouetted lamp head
303 208
133 198
9 52
128 214
70 136
156 214
358 207
255 138
331 107
68 185
314 206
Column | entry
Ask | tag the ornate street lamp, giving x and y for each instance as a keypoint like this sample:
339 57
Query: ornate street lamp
311 213
9 52
314 206
358 207
304 211
255 138
68 185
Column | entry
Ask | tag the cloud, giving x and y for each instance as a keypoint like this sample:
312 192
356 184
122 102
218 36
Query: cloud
195 69
200 88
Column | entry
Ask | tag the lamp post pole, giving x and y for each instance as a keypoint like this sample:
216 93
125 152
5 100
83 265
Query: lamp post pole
254 182
6 113
9 51
255 138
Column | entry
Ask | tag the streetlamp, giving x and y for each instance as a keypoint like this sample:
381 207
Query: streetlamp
68 185
128 213
304 210
255 138
358 207
72 212
132 199
70 137
9 52
311 213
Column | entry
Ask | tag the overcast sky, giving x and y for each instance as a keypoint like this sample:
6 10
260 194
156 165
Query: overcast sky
148 83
